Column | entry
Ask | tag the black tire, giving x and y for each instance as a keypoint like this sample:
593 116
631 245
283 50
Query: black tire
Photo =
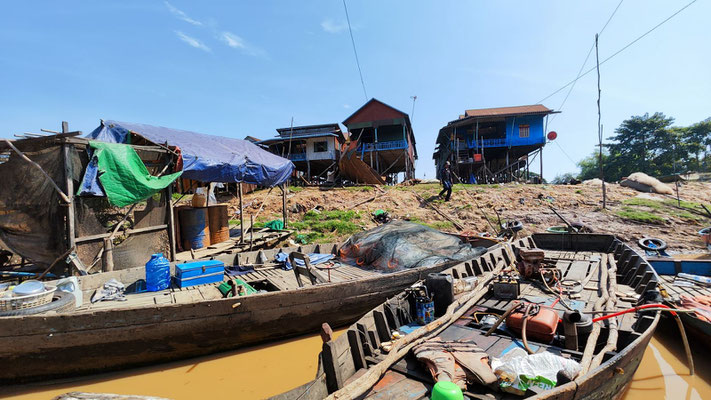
513 226
659 243
61 301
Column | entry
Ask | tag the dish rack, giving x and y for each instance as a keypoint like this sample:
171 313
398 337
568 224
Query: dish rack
8 302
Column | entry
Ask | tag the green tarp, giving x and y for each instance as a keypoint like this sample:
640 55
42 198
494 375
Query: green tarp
123 175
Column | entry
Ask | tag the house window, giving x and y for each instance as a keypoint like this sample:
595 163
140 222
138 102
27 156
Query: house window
524 131
320 147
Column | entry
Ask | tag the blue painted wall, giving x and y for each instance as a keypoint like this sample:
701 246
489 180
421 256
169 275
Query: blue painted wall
536 134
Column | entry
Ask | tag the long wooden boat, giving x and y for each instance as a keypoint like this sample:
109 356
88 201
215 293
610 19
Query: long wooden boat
369 361
677 289
155 327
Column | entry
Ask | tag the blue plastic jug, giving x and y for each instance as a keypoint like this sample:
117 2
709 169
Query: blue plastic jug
157 273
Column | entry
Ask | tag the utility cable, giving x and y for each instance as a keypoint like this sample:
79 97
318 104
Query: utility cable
587 57
362 82
617 52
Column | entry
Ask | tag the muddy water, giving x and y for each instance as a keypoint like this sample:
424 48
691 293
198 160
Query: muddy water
262 371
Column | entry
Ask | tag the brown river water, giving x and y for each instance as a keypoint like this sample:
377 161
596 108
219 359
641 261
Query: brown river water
261 371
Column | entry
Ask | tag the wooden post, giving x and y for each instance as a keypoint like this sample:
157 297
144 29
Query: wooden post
241 214
107 259
171 221
68 173
284 210
308 169
540 158
251 231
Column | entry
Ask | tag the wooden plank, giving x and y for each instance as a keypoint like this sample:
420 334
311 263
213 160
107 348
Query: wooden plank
329 356
128 231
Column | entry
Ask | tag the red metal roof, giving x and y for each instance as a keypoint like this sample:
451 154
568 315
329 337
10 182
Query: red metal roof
501 111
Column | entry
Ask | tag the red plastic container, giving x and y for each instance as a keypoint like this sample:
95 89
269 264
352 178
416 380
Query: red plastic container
540 327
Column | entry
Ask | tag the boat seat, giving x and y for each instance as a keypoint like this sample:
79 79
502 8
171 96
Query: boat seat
306 270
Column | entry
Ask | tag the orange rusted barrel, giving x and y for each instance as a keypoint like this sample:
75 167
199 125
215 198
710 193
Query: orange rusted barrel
218 218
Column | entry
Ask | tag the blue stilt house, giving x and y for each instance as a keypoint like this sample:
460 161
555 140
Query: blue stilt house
494 144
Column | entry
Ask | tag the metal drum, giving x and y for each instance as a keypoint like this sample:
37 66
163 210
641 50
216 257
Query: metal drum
194 228
218 218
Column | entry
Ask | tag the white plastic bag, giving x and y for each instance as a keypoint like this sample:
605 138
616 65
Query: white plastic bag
518 371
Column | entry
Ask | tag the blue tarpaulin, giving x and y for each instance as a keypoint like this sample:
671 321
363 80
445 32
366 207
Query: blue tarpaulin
206 158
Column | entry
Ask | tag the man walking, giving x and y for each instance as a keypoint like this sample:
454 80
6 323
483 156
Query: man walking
446 178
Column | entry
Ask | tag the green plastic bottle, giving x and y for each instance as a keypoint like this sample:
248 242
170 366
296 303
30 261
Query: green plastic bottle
446 390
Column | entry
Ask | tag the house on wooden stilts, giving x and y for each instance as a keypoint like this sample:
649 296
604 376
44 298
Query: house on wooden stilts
386 140
494 145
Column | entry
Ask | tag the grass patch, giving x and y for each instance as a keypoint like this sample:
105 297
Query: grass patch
666 207
295 189
637 201
645 217
439 225
359 188
684 204
234 222
326 226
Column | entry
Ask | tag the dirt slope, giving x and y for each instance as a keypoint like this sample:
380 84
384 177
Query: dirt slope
630 215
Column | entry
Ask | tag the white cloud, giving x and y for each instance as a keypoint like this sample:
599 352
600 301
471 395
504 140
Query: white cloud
236 42
181 15
332 26
192 41
233 40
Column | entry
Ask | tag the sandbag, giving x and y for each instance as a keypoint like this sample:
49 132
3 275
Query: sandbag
644 183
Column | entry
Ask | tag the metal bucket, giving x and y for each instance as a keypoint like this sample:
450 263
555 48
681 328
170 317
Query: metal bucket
194 228
218 218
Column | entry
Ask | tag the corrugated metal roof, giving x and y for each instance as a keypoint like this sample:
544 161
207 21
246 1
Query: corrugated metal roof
335 128
298 137
516 110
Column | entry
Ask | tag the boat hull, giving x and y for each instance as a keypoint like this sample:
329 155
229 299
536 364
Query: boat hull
47 347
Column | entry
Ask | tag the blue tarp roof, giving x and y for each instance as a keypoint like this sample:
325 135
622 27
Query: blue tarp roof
207 158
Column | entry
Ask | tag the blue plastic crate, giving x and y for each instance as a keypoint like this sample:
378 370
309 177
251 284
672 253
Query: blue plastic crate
199 273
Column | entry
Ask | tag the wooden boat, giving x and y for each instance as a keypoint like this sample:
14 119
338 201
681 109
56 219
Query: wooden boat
674 288
177 323
369 361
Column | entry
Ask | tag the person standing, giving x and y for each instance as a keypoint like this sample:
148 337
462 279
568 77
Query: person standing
446 178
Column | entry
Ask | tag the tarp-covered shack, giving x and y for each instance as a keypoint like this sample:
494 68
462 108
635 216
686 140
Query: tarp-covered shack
42 219
206 158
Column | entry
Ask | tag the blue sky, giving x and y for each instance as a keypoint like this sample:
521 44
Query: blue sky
246 68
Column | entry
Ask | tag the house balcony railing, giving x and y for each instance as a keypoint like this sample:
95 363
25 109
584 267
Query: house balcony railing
502 142
297 157
390 145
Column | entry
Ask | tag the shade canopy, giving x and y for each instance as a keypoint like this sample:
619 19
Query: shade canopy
206 158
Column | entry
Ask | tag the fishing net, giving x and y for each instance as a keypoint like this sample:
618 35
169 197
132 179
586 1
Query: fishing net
400 245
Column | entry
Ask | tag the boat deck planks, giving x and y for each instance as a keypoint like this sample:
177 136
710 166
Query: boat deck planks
408 378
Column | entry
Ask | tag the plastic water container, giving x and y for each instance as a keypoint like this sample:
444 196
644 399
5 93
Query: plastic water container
157 273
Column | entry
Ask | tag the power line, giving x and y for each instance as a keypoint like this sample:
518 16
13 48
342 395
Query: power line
617 52
586 59
566 154
362 82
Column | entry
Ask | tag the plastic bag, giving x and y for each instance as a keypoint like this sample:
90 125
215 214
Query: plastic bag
518 371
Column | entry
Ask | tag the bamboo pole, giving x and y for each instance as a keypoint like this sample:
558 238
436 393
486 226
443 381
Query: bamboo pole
241 214
592 338
613 326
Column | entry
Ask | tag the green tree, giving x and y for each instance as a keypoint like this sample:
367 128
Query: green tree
698 139
636 142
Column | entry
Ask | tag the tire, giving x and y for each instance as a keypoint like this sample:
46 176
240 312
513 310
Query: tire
513 226
61 302
659 244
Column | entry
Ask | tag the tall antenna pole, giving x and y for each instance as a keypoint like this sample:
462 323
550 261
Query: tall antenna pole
291 135
599 126
412 114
